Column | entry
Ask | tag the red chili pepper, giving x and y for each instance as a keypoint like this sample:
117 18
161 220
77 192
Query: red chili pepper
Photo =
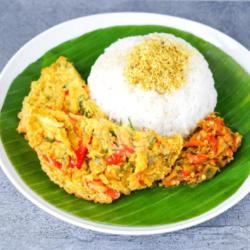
185 173
128 149
52 161
219 121
192 142
158 142
213 142
81 153
112 193
118 156
114 159
57 164
46 158
197 159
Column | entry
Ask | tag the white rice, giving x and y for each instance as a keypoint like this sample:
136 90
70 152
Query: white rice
170 113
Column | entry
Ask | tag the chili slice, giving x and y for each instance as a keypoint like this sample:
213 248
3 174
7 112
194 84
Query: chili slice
197 159
185 173
114 159
52 161
112 193
81 153
118 156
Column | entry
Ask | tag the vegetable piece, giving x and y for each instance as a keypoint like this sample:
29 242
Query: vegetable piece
193 142
81 153
82 106
52 161
197 159
158 142
127 149
205 153
118 157
114 159
185 173
48 139
213 143
112 193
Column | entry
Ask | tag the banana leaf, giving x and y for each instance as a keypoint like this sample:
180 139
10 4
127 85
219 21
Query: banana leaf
148 207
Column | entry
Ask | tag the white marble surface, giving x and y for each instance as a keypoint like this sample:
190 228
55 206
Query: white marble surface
23 225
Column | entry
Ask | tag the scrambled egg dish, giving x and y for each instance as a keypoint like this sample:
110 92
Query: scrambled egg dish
81 150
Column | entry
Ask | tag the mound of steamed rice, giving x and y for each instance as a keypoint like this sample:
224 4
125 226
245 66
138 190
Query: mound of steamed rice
168 113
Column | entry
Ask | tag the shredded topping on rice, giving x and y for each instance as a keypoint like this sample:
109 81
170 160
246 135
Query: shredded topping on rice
158 64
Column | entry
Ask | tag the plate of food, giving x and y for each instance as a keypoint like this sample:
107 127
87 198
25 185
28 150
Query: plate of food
128 123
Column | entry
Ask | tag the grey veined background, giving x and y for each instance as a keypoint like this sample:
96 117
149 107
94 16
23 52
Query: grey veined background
23 225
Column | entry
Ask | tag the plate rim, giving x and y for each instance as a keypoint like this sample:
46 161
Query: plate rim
155 19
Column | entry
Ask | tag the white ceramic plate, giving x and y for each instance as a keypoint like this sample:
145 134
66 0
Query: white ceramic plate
35 48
